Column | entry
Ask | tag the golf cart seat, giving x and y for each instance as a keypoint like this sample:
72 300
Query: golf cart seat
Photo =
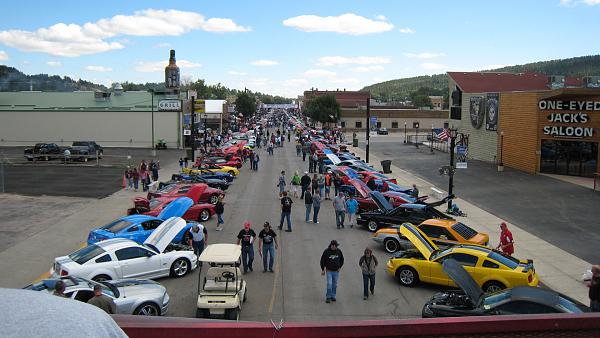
216 279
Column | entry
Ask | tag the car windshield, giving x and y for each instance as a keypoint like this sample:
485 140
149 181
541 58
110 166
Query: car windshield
85 254
105 289
465 231
116 226
154 203
168 189
504 259
496 298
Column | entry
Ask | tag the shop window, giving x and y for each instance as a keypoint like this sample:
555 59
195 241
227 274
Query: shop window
455 113
343 124
378 124
358 124
394 125
572 158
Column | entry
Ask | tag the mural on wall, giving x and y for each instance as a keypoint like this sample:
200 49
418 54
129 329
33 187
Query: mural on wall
476 109
491 111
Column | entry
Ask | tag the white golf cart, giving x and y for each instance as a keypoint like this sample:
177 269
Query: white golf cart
223 290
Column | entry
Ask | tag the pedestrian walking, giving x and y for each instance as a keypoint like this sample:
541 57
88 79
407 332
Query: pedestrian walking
298 149
321 185
246 237
310 164
328 185
304 183
308 201
128 178
286 211
144 179
507 244
337 183
185 161
219 210
368 262
315 161
135 176
267 246
103 302
352 209
304 151
316 207
332 261
315 184
339 205
197 237
255 160
414 192
295 183
594 292
181 164
281 183
154 167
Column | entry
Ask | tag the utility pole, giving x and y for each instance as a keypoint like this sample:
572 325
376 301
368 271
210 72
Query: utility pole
193 131
153 145
368 127
451 170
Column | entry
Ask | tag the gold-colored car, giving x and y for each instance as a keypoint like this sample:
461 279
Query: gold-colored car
212 168
491 269
443 232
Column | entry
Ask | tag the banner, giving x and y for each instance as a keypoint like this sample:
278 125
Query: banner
491 111
476 110
461 157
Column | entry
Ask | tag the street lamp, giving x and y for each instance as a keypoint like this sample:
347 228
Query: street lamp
431 141
453 133
417 134
405 136
152 108
205 117
501 165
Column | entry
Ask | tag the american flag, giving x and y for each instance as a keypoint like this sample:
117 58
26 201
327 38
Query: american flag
442 134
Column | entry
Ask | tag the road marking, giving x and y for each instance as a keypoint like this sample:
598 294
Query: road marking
274 292
47 273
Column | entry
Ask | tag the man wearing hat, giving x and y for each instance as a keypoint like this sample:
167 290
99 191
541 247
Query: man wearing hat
506 240
197 238
332 261
246 237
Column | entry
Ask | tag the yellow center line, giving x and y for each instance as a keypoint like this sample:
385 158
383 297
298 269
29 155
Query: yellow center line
47 273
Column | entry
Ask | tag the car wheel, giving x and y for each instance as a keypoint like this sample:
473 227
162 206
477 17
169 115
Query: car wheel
204 215
493 286
391 245
100 154
233 314
372 226
214 199
202 313
407 276
180 267
231 172
147 309
101 278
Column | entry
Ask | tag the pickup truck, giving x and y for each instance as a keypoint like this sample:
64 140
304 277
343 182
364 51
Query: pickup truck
83 150
44 151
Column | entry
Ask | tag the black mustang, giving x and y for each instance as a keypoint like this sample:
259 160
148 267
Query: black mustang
182 178
387 215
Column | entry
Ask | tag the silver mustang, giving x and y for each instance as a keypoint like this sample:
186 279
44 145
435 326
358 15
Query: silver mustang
131 296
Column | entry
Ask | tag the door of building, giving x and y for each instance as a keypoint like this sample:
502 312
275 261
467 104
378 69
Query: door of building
572 158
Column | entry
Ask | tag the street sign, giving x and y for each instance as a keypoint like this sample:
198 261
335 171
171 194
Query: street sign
461 157
187 119
187 132
169 105
199 106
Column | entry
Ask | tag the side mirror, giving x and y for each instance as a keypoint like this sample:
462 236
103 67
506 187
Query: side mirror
149 254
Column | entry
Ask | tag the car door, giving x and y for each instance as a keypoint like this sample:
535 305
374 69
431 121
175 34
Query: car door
469 263
134 232
137 262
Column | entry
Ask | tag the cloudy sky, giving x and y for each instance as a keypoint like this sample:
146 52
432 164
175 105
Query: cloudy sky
285 47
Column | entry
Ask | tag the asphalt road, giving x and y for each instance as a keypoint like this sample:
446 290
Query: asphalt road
561 213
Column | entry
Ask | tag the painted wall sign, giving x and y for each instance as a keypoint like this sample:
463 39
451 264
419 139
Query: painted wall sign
491 111
577 120
476 109
169 105
569 131
569 105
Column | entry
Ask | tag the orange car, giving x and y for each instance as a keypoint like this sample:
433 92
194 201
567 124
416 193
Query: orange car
443 232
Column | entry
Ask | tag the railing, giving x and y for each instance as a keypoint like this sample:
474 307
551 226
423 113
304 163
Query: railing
424 140
530 326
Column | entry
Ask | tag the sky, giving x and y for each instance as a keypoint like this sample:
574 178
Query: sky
284 47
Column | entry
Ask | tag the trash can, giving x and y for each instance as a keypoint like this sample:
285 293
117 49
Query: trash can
355 142
386 164
189 154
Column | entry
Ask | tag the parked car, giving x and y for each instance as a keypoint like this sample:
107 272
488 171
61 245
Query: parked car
84 150
220 161
386 215
361 192
212 168
207 174
216 183
472 301
121 258
204 194
131 296
199 211
44 151
382 131
139 227
491 269
443 232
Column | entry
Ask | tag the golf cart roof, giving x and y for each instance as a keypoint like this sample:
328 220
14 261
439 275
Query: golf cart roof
221 253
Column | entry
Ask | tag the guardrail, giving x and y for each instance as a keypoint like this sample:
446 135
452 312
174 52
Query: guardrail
426 141
530 326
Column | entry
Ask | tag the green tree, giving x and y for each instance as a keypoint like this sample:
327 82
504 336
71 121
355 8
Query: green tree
422 101
324 109
245 104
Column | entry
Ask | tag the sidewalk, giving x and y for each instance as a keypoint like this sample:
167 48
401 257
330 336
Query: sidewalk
557 269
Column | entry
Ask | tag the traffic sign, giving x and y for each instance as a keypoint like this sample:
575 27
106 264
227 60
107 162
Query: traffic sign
199 106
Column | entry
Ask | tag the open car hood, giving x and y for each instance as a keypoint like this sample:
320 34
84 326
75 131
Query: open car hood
381 201
331 156
165 233
462 278
425 246
176 208
196 191
360 187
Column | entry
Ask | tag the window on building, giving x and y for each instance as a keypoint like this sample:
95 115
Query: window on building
378 124
394 125
358 124
343 124
415 125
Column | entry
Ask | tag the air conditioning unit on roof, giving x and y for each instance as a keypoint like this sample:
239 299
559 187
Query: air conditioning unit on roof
591 81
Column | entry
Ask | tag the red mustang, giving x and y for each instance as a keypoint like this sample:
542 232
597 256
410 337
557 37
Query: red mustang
366 176
206 194
200 212
359 190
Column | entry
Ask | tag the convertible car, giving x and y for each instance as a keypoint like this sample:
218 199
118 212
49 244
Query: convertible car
472 301
492 270
199 211
212 168
139 227
386 215
205 193
443 232
131 296
121 258
220 184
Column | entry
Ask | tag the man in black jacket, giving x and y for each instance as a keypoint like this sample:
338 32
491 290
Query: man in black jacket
304 183
332 261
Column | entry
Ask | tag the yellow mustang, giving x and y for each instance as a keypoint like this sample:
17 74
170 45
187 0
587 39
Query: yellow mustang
492 270
212 168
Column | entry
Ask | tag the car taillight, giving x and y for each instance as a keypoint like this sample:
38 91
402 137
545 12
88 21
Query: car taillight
530 278
64 272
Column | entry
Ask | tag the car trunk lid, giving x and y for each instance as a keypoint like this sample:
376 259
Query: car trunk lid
425 246
177 208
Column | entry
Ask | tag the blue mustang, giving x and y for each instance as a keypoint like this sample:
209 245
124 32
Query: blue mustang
139 227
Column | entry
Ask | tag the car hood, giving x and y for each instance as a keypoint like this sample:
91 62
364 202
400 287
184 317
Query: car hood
138 287
462 278
177 208
196 191
360 187
331 156
381 201
425 246
165 233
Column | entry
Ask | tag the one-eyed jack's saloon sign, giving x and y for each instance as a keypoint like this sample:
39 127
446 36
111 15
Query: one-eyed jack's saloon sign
572 124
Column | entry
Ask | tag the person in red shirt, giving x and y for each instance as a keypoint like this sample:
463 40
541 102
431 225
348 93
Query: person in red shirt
506 240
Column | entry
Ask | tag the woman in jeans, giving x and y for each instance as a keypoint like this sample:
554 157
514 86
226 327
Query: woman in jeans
368 264
308 203
316 206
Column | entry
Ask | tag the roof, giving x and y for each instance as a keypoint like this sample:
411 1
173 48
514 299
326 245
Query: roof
221 253
489 82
